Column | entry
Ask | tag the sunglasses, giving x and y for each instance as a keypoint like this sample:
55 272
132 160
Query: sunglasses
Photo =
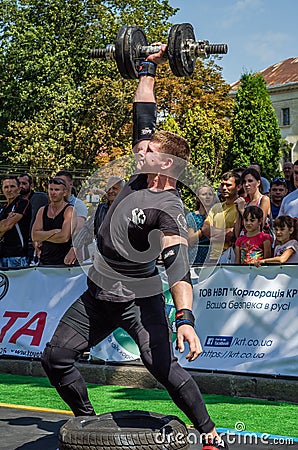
56 181
278 180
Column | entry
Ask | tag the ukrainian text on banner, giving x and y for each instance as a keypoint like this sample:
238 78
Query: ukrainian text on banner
247 319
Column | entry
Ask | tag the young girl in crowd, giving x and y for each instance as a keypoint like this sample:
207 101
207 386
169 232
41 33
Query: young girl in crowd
286 250
254 245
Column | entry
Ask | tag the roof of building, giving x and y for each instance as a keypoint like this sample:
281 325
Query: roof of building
282 73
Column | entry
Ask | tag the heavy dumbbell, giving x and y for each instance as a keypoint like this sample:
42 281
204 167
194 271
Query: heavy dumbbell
131 47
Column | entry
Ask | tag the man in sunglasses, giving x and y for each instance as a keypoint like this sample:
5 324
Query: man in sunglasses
78 204
52 226
80 210
37 200
278 190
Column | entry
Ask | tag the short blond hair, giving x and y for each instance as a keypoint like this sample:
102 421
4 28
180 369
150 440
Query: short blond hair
172 144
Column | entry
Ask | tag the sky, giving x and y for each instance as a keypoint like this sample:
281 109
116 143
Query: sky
259 33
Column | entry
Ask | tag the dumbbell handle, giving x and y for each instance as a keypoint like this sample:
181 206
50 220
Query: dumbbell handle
200 48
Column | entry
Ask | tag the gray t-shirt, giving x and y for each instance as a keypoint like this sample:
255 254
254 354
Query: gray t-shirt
265 185
79 206
292 244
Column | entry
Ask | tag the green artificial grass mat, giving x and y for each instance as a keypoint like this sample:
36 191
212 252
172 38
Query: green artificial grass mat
263 416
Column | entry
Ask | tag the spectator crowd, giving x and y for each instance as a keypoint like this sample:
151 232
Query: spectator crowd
247 220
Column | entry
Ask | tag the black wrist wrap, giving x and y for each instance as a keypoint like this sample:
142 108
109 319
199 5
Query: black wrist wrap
184 317
144 121
147 68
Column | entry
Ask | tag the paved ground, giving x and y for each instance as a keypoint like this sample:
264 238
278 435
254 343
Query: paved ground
35 430
29 430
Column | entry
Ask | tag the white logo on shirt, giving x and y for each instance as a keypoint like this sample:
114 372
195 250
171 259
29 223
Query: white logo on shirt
138 216
182 222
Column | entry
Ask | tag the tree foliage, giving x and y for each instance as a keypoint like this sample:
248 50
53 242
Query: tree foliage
256 134
199 108
59 108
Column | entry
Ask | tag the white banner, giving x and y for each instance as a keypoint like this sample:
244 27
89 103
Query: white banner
246 317
31 303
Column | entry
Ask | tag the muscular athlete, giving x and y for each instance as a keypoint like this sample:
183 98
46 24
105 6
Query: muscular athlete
124 287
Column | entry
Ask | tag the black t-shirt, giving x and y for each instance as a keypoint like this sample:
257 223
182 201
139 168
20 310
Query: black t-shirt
37 200
14 244
53 253
131 229
129 239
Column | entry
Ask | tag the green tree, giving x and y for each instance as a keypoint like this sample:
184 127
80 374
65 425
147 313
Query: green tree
199 108
59 107
256 134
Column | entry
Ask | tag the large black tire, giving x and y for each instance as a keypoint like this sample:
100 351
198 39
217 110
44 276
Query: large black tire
122 430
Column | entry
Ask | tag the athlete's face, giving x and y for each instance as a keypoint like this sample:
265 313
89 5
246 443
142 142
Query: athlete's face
149 157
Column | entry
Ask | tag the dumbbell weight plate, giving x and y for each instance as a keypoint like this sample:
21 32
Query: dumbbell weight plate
129 41
181 61
119 54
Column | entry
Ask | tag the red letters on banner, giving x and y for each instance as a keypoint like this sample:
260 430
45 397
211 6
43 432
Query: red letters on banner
36 333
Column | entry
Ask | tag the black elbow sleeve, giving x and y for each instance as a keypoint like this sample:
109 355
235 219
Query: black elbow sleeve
175 259
144 121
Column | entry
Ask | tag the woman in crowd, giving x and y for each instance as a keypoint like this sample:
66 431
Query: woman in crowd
199 244
251 182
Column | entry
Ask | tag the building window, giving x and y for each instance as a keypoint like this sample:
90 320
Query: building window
285 116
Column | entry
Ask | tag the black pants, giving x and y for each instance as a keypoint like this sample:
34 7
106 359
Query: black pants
88 321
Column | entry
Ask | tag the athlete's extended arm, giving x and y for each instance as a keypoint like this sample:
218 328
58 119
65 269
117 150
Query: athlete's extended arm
176 263
144 107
